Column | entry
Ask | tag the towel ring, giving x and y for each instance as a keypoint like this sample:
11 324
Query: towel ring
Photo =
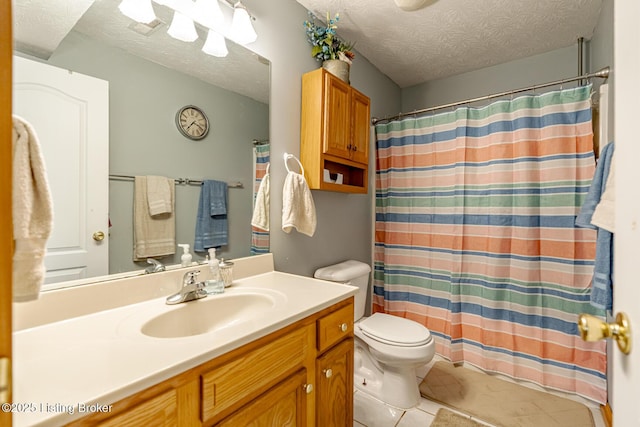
288 156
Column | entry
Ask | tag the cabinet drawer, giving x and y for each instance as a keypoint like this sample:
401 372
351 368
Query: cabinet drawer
334 326
158 411
252 373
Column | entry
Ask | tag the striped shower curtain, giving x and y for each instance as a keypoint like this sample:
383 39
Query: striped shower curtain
259 237
475 236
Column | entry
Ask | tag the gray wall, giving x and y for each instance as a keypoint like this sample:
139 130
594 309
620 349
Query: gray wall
143 100
601 52
344 220
547 67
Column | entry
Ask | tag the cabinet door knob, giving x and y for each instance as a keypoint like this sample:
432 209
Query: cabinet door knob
344 327
327 373
308 388
354 147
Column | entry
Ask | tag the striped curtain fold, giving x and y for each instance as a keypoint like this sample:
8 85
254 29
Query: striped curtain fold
259 237
475 236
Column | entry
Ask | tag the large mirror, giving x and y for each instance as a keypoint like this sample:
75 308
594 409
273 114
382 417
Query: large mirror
150 77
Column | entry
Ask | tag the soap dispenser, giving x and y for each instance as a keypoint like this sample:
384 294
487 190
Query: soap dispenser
215 285
186 256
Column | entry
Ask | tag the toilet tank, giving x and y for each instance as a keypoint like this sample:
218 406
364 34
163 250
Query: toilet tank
354 273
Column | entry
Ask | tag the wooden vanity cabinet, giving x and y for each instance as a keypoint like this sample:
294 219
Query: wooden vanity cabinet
301 375
252 374
334 368
161 410
284 405
334 379
334 133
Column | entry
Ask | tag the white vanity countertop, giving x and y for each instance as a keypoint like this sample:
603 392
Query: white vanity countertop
103 357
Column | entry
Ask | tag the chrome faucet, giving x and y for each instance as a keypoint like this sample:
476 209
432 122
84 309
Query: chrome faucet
191 289
156 266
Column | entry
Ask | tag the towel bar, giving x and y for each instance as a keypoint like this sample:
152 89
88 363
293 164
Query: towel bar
182 181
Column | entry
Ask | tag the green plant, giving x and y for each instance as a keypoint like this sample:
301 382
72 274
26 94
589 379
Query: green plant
324 41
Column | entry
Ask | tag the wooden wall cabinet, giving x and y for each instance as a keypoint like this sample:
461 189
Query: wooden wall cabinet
334 133
301 375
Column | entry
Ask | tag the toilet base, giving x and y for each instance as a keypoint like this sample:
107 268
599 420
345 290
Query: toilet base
395 386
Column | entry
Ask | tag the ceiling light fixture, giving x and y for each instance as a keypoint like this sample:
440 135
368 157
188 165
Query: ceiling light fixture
241 28
411 5
138 10
215 45
182 28
208 13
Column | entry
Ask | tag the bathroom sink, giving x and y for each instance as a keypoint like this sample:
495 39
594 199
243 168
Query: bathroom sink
209 314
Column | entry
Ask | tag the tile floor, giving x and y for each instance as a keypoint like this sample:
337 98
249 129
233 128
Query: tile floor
370 412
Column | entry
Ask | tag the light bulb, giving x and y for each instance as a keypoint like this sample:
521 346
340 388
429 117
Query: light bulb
411 5
215 45
138 10
208 13
241 29
182 28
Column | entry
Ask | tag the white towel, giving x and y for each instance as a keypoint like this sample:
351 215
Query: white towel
32 209
260 217
152 235
604 213
298 210
159 195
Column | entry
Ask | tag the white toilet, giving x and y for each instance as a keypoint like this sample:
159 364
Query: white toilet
388 349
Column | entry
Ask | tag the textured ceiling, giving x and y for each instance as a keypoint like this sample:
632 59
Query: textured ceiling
242 71
42 24
449 37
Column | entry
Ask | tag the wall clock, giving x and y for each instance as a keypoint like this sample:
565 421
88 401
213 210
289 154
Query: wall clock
192 122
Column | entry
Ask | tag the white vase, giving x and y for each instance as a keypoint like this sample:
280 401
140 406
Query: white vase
338 68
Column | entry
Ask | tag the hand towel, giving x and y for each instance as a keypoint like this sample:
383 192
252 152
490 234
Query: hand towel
260 218
298 209
32 210
602 282
153 236
604 213
159 195
211 222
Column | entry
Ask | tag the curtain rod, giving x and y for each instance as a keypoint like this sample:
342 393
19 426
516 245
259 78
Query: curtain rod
183 181
603 73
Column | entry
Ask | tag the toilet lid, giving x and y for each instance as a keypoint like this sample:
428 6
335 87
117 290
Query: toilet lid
395 330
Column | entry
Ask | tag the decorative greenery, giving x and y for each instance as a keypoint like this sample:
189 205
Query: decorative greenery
324 41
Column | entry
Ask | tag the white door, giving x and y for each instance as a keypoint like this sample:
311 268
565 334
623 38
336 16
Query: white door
626 369
70 114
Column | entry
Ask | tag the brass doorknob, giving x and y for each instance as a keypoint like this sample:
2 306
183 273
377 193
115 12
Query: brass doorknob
593 329
98 236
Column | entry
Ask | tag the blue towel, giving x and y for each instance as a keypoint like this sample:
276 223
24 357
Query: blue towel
211 222
602 283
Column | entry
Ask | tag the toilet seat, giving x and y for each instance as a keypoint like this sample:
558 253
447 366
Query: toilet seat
394 330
